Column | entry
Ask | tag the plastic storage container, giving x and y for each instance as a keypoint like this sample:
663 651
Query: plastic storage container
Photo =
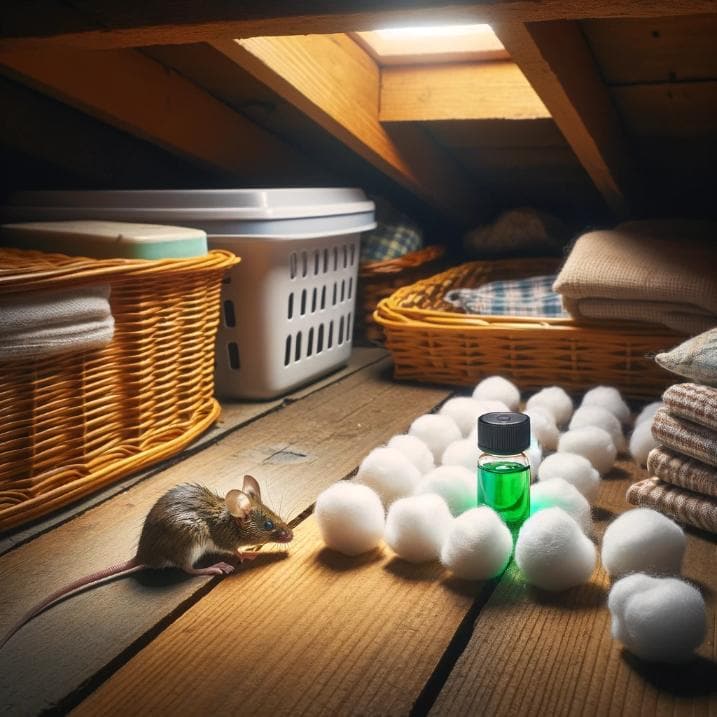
288 308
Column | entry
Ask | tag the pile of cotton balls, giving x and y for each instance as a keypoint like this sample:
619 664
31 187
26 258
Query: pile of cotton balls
418 494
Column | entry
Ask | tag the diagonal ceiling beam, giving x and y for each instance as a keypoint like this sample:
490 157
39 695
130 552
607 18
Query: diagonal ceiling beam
128 90
557 62
117 23
336 83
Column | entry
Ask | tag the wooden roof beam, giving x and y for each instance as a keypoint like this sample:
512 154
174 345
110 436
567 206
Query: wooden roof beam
463 91
557 62
335 83
116 23
128 90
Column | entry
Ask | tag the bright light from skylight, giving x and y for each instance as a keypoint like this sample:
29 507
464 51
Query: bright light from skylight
435 31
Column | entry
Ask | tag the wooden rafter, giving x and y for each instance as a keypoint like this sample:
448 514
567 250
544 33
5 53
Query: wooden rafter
464 91
135 93
335 83
116 23
557 62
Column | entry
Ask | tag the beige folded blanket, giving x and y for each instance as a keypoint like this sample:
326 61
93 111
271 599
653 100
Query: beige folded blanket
685 437
641 271
677 503
694 402
682 471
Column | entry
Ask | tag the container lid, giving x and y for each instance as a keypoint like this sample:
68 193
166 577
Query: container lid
206 204
106 240
504 433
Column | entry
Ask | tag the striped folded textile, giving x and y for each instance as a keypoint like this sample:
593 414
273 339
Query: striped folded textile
533 296
682 471
694 402
675 502
685 437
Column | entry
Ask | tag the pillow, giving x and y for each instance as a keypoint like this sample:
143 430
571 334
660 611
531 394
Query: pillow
695 358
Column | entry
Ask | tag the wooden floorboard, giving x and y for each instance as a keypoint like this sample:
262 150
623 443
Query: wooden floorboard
533 652
234 415
294 452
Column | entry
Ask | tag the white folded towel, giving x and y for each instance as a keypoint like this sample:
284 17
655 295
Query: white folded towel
39 324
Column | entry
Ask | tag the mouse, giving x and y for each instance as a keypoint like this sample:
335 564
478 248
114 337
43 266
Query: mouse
185 523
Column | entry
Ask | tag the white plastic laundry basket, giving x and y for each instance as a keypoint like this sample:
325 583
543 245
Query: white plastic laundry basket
288 307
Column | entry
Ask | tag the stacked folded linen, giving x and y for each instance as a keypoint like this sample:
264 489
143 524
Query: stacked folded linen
684 468
640 271
41 324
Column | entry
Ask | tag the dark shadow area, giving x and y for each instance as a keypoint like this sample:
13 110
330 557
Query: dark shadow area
696 678
602 514
340 563
414 572
617 473
467 588
582 597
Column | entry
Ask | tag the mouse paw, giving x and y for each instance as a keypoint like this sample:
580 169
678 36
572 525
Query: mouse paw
247 556
216 569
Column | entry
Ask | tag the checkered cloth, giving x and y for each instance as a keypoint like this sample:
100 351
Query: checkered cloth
533 296
390 240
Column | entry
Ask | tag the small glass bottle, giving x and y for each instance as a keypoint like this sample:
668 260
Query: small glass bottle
503 468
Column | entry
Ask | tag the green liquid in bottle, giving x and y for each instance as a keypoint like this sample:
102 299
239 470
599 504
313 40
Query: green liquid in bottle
505 487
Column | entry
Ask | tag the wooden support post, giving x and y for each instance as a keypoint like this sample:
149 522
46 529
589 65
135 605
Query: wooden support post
138 95
557 61
336 83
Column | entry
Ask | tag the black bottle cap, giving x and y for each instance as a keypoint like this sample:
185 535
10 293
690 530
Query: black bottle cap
504 433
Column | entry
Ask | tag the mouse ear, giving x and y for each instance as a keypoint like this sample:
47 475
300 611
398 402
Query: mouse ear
238 503
251 487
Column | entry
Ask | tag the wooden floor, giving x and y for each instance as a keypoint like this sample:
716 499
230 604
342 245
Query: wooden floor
313 632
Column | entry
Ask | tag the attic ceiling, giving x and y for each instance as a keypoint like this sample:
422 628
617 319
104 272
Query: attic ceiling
594 114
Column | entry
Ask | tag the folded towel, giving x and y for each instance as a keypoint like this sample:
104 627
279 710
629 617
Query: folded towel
39 324
683 471
640 271
678 503
685 437
533 296
694 402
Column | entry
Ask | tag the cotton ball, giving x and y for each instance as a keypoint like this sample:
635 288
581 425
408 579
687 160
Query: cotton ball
657 619
576 470
555 400
609 398
492 406
437 432
535 456
591 442
415 450
602 418
389 473
648 413
350 517
543 427
552 552
464 411
478 545
643 540
642 442
455 484
461 453
417 526
558 493
497 388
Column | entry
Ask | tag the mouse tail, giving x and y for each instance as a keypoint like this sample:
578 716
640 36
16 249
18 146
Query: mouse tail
78 586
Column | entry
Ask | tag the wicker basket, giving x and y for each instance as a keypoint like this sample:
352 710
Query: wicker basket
432 342
379 279
73 423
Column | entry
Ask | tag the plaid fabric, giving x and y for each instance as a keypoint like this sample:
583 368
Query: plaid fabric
677 503
533 296
389 241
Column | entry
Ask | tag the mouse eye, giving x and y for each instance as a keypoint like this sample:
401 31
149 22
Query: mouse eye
268 525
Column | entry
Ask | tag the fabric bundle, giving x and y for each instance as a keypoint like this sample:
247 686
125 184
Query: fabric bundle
533 296
684 468
42 324
640 271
